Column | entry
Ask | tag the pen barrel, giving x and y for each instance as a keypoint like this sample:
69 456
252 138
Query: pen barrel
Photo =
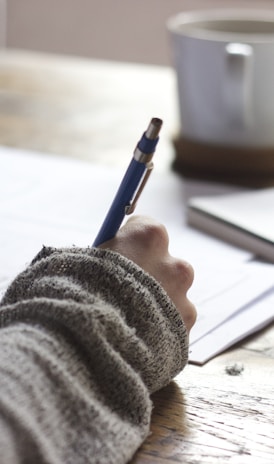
122 200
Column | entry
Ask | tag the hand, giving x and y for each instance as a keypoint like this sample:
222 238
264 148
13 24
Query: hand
145 242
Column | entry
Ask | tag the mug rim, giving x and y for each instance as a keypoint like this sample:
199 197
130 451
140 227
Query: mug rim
175 24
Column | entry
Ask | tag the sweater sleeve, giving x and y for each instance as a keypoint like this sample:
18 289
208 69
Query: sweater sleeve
85 337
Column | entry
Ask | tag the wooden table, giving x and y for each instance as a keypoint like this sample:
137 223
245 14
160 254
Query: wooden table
92 110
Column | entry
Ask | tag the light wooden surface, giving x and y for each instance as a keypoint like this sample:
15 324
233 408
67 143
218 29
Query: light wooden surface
89 109
92 110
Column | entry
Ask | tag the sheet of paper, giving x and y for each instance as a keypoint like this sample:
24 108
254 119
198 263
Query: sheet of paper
249 320
234 290
48 200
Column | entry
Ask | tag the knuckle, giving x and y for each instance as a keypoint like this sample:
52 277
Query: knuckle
148 232
157 235
153 234
185 273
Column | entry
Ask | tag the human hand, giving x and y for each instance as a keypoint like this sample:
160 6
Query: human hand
145 241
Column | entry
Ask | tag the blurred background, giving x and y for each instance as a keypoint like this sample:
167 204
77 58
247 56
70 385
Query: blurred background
120 30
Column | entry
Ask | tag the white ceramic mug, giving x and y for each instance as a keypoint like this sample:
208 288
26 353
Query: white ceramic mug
224 61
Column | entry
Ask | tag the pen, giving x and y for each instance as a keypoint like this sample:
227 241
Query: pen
132 183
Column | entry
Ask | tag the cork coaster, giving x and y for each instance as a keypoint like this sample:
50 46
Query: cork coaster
252 167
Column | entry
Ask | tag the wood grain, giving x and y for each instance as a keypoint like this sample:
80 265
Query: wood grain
207 416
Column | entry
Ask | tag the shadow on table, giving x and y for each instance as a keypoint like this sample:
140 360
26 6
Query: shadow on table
168 426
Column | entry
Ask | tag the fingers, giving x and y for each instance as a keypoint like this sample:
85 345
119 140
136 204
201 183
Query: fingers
188 313
177 277
145 241
180 273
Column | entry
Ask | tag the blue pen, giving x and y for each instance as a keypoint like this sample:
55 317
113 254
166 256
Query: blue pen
132 184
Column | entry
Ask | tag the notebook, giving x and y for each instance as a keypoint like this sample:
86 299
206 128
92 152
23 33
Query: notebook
244 219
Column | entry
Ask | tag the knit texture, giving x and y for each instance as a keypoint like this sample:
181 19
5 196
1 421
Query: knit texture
85 337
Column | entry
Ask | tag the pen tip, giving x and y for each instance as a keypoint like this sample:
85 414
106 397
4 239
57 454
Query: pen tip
154 128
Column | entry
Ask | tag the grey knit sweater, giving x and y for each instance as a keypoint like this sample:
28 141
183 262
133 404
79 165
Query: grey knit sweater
85 337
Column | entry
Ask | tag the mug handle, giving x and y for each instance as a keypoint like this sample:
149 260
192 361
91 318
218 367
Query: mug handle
238 85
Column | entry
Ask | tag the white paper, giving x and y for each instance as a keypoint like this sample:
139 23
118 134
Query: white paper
46 200
249 320
53 201
243 286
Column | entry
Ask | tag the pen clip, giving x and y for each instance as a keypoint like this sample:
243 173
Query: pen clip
131 207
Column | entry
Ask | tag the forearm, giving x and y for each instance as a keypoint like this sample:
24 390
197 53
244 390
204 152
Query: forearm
97 335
